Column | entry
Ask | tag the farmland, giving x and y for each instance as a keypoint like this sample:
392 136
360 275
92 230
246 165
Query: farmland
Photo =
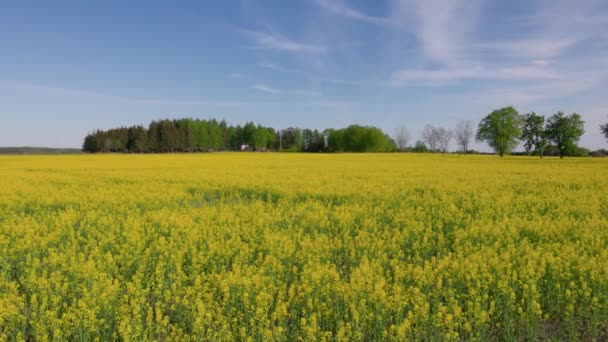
272 246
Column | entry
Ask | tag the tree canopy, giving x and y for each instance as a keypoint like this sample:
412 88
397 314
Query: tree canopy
191 135
357 138
565 131
604 129
180 135
501 130
533 133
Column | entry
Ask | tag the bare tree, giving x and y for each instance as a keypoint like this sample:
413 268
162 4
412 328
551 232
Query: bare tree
402 138
430 137
464 134
444 136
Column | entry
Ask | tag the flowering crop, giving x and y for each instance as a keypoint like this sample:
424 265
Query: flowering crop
302 246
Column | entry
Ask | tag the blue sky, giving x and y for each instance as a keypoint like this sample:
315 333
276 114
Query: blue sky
68 67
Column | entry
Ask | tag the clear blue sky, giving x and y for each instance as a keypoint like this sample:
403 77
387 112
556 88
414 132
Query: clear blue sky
68 67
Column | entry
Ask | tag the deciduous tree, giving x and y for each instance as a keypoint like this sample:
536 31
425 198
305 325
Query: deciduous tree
430 137
565 131
444 136
533 133
402 138
464 134
604 129
501 130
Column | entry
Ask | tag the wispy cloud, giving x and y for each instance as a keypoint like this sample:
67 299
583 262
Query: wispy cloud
533 62
311 76
340 8
279 68
266 89
542 62
32 88
523 94
442 27
278 42
275 91
79 93
446 76
534 48
538 60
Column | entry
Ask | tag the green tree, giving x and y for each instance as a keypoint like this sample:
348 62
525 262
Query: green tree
91 143
420 147
261 136
565 131
231 138
291 139
249 134
138 139
117 145
187 134
604 129
355 138
335 140
533 133
216 136
298 139
271 137
313 140
501 130
154 136
167 136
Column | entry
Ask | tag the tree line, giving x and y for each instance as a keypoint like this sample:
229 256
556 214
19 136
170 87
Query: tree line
195 135
503 130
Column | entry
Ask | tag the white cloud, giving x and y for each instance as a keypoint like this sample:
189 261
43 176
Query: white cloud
308 93
537 92
538 48
275 41
266 89
340 8
275 67
445 76
275 91
549 51
542 62
79 93
442 27
44 90
316 78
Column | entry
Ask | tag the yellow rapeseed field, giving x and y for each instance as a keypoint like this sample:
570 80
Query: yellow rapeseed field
260 246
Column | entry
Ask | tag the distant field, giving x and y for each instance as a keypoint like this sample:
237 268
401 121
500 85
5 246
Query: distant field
38 150
350 247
